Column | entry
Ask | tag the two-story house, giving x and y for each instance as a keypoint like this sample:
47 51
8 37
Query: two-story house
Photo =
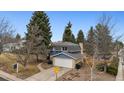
66 54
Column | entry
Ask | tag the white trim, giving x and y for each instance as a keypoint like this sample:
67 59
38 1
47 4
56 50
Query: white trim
64 54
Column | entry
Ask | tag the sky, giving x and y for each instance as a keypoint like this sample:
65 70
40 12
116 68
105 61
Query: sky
59 19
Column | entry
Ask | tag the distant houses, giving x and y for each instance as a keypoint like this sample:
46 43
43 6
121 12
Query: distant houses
9 47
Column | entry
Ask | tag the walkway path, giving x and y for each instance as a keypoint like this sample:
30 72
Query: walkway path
120 74
40 68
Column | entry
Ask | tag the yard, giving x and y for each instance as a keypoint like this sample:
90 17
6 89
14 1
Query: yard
6 62
84 74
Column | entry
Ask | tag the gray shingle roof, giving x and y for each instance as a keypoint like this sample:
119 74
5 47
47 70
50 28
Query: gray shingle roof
70 46
74 55
64 44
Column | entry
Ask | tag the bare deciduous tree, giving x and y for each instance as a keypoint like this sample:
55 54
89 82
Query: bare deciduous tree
23 54
6 32
104 38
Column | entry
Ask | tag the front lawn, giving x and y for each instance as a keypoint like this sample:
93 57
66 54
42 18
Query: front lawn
6 62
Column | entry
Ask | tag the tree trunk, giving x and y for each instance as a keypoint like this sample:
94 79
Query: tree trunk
26 66
37 58
91 74
105 67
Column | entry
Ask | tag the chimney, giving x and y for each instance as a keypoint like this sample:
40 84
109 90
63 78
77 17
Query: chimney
81 46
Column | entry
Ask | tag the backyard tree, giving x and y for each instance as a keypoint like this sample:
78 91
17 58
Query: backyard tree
104 38
80 37
90 50
23 54
67 36
40 29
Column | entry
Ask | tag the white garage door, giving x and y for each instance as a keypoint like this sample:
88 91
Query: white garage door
63 62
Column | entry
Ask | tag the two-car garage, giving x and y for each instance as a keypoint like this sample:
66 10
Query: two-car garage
64 60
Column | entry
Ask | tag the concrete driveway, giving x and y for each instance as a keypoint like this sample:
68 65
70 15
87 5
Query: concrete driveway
47 75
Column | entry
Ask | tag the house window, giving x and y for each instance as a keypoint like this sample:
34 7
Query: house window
64 48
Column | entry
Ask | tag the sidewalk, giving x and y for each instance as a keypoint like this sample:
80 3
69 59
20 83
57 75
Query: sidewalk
9 77
44 75
120 73
47 75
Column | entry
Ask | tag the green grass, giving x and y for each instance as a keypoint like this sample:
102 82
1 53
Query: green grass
6 62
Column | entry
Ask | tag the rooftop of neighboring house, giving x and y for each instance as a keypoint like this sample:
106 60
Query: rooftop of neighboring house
12 44
65 46
60 43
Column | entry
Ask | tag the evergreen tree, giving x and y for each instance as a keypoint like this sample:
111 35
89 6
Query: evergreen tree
67 36
18 37
119 45
104 39
90 43
73 39
80 37
41 19
39 33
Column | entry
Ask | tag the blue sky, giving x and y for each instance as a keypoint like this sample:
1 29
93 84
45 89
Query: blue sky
79 19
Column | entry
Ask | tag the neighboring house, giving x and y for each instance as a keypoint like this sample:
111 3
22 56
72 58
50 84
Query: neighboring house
9 47
66 54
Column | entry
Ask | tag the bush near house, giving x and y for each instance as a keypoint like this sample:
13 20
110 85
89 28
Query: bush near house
100 67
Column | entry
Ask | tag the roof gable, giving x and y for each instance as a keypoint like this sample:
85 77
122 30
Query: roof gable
73 56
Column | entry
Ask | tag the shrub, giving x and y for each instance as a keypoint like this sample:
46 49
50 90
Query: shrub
100 67
112 70
50 62
113 67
